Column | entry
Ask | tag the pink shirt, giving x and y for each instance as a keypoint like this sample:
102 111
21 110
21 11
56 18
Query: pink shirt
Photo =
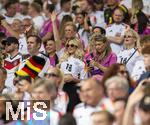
47 27
108 61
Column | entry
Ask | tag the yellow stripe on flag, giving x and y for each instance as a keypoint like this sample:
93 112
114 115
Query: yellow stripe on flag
32 66
21 73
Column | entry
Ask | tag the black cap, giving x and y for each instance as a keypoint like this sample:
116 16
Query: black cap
145 103
10 40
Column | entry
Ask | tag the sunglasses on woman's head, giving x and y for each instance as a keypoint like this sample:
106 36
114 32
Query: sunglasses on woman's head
71 45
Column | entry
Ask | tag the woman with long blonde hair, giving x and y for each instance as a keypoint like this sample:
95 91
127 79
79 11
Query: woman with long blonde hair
100 56
73 67
130 53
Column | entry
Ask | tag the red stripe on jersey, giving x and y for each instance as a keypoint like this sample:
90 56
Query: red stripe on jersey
35 64
10 65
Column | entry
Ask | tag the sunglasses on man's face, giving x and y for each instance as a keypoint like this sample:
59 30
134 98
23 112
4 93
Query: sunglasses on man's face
70 45
51 75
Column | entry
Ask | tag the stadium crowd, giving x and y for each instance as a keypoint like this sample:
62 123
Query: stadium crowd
90 59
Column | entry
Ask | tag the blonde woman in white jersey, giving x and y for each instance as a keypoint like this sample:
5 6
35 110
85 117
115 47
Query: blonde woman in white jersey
130 54
73 67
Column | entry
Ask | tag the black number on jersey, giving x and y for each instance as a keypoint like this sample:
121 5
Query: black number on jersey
69 67
123 60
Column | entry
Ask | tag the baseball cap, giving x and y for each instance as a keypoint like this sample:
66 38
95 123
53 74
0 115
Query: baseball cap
10 40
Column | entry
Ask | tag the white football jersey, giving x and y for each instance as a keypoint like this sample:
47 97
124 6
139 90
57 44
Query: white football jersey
129 58
75 67
82 112
11 65
116 30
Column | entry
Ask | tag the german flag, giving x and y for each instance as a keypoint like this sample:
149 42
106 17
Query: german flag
33 67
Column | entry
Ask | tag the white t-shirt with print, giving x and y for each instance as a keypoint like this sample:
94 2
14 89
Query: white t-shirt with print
75 67
124 55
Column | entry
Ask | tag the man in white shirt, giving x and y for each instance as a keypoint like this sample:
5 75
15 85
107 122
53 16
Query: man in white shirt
116 31
12 61
93 100
38 63
45 90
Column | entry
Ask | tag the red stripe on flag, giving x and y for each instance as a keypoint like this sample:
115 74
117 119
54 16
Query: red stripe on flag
27 70
35 64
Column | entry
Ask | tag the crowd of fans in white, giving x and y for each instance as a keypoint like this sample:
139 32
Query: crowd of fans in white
90 59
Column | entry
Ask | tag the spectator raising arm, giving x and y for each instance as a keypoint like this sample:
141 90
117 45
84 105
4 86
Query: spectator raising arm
133 100
55 31
9 29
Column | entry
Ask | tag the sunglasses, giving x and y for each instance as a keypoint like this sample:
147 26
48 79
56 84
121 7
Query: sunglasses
51 75
70 45
128 36
123 71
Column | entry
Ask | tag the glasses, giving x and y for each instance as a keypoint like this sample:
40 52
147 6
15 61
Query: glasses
71 45
128 36
123 71
51 75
